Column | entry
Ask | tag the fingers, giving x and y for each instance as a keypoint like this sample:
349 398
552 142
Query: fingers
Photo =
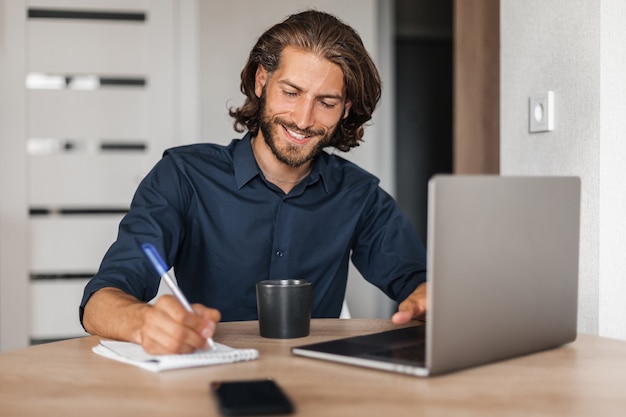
210 317
401 317
208 314
169 328
414 306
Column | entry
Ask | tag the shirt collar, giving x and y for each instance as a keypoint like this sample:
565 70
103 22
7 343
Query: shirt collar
244 162
246 167
322 169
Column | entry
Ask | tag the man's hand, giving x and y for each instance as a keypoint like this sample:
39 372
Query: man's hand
169 328
413 307
163 328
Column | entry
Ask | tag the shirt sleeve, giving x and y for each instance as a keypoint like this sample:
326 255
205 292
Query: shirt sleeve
156 217
387 251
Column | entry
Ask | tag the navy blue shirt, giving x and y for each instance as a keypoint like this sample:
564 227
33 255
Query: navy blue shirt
212 215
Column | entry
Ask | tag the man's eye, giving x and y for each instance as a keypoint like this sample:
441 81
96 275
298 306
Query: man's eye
290 93
328 105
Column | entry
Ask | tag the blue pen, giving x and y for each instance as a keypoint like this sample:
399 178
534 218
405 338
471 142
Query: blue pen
162 269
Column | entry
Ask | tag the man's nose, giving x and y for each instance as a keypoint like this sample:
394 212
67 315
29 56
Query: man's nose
302 113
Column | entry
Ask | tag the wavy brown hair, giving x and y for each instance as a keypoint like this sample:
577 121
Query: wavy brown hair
327 37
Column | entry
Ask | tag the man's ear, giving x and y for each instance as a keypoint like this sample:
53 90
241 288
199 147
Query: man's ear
346 109
260 79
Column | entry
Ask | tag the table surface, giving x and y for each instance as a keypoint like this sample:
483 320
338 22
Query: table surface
584 378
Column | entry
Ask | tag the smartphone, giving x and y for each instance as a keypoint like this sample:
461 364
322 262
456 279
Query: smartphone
251 397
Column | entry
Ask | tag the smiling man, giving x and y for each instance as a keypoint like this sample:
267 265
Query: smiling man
271 205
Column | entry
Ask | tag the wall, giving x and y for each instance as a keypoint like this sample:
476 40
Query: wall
612 198
14 290
574 48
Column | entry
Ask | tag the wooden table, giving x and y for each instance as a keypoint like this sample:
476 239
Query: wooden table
585 378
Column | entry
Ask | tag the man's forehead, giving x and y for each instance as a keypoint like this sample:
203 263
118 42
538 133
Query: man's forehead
303 69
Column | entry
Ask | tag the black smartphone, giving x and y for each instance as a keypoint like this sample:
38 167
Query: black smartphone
251 397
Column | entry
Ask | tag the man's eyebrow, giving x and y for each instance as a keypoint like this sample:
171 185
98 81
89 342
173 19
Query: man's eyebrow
296 87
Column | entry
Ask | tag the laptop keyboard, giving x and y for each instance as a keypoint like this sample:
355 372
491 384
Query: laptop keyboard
411 354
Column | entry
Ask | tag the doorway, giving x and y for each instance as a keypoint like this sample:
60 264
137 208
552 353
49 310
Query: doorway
424 102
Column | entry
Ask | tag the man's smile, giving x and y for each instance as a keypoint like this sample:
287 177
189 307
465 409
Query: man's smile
299 138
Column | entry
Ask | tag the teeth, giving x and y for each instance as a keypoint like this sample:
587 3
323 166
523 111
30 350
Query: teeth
296 135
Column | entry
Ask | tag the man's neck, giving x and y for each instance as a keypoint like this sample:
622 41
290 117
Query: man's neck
278 173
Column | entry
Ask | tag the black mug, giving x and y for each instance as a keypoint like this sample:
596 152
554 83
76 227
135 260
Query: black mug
284 307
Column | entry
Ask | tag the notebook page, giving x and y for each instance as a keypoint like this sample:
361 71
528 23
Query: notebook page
134 354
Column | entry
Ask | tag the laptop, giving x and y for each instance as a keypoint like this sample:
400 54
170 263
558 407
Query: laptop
502 258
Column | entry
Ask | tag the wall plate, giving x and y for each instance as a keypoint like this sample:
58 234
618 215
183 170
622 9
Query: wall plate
541 112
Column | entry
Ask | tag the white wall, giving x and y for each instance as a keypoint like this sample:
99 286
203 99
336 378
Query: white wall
14 289
612 193
576 49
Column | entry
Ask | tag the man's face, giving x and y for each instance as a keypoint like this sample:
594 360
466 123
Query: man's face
302 103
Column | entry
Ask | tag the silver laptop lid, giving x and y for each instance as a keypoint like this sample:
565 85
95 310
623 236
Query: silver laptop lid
502 267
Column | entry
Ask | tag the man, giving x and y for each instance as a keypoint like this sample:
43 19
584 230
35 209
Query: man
269 206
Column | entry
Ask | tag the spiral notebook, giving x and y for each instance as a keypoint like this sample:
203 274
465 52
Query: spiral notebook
134 354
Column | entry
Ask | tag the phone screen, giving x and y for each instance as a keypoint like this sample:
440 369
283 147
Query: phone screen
259 396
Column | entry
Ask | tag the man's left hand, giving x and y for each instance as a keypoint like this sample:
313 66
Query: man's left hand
413 307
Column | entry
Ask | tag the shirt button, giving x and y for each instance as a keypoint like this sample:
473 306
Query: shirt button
279 253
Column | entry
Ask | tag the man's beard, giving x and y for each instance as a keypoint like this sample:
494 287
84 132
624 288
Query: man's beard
292 154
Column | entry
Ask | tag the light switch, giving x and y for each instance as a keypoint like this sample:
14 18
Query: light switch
541 112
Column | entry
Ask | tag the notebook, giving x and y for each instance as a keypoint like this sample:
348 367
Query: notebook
502 259
134 354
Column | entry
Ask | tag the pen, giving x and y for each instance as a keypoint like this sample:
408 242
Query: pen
161 268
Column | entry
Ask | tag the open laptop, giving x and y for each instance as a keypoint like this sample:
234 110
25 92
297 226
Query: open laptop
502 278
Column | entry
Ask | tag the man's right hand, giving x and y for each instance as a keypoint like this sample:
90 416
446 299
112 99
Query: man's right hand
163 328
169 328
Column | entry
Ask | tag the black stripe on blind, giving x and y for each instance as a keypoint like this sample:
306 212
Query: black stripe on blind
74 211
42 211
124 146
47 277
84 14
39 212
123 82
